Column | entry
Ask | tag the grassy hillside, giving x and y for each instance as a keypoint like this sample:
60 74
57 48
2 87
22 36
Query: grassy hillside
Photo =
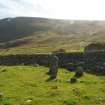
40 35
20 84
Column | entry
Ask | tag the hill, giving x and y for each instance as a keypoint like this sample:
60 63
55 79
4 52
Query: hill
41 35
20 84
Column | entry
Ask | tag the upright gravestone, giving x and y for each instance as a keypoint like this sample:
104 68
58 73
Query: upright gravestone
53 66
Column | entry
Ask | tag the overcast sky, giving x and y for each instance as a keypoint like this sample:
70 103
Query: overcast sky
61 9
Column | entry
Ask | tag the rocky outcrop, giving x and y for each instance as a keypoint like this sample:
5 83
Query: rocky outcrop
94 55
95 47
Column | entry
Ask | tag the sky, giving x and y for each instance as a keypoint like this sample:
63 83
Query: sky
59 9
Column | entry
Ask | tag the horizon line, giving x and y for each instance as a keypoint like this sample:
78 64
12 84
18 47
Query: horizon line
52 18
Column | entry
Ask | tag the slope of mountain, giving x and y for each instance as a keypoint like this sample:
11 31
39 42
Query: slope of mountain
36 35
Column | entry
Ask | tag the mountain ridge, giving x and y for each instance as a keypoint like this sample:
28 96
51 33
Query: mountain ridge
49 34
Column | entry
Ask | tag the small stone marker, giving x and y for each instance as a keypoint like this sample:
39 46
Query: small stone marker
79 72
53 66
73 80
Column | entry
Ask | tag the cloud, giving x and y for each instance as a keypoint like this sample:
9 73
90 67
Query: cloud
21 8
2 6
67 9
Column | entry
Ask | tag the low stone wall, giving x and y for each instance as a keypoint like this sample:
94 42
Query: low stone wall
41 59
94 61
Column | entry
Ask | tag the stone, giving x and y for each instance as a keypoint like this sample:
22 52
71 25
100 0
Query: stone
53 66
73 80
79 72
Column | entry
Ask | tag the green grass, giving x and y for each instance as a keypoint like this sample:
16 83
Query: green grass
21 83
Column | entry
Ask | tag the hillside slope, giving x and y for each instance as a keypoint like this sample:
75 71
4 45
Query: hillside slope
31 35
